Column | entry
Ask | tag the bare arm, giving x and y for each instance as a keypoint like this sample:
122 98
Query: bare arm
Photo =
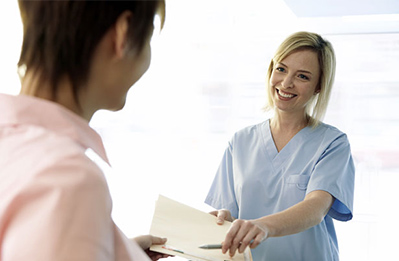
295 219
306 214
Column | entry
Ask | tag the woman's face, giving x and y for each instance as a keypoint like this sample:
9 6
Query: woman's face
294 81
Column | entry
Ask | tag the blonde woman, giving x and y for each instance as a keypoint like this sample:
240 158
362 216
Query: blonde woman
283 181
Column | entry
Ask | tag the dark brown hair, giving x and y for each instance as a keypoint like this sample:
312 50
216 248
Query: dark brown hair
61 36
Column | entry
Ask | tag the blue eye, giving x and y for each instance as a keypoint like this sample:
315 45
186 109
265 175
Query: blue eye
304 77
280 69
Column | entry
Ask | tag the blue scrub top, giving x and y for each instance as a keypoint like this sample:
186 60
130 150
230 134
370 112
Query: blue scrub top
255 180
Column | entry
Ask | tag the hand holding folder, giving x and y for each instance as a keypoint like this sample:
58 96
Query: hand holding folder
187 229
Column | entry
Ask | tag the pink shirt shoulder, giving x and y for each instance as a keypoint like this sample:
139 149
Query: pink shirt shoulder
54 201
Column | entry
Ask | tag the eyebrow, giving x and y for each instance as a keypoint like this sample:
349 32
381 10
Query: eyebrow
303 71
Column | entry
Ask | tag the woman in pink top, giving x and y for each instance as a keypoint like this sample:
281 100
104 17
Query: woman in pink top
78 57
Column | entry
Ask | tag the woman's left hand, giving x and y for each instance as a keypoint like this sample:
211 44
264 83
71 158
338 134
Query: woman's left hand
243 233
145 242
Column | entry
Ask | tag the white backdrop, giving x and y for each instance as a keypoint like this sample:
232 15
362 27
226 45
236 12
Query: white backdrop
206 81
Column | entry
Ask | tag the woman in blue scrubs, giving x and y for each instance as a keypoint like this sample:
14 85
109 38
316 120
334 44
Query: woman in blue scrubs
283 181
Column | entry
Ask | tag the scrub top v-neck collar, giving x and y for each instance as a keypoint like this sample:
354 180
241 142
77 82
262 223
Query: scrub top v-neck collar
278 158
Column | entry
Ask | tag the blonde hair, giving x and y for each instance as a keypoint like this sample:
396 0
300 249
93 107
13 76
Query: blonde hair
317 107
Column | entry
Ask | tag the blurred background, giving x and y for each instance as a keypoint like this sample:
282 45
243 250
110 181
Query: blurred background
207 80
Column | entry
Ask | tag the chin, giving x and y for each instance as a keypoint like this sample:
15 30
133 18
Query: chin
117 107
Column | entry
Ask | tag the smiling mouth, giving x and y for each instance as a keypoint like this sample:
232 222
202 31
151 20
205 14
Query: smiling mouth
285 95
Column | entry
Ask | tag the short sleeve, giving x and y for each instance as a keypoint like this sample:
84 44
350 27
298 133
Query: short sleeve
222 194
335 173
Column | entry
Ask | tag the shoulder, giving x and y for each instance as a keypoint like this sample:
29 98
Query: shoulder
70 168
329 128
249 138
331 138
251 131
329 132
46 160
63 180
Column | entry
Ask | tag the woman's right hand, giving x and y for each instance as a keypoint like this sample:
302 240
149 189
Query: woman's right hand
222 215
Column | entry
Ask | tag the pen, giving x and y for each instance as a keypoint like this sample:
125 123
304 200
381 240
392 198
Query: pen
188 253
173 249
211 246
214 246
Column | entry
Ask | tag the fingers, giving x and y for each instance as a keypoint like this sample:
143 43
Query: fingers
214 213
155 255
221 216
228 243
259 239
158 240
146 241
241 234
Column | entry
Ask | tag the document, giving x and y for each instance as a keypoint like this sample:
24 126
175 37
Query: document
186 229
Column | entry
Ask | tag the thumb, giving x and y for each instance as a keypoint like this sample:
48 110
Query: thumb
158 240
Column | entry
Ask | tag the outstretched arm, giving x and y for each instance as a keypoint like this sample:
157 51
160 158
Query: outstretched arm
295 219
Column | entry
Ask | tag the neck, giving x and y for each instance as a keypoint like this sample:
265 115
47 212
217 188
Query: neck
288 122
33 85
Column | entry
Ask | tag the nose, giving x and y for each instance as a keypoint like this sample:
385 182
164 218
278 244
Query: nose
288 82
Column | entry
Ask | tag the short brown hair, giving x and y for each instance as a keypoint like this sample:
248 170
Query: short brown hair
61 36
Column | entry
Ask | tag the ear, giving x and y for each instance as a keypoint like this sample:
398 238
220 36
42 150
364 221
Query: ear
317 90
121 31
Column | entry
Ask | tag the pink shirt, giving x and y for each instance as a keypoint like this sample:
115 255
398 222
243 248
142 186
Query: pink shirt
54 201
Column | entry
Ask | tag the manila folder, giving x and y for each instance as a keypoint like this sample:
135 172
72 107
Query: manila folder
187 228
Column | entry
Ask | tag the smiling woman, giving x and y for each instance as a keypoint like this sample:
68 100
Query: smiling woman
313 63
285 179
295 81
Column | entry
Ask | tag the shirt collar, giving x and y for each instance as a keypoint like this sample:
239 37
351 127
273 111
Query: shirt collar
52 116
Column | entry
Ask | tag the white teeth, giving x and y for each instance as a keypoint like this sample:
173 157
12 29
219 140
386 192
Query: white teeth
286 95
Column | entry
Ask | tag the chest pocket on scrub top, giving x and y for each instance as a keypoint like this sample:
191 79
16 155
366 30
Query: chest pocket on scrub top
301 181
295 188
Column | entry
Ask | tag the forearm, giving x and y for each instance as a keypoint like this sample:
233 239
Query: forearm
299 217
304 215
